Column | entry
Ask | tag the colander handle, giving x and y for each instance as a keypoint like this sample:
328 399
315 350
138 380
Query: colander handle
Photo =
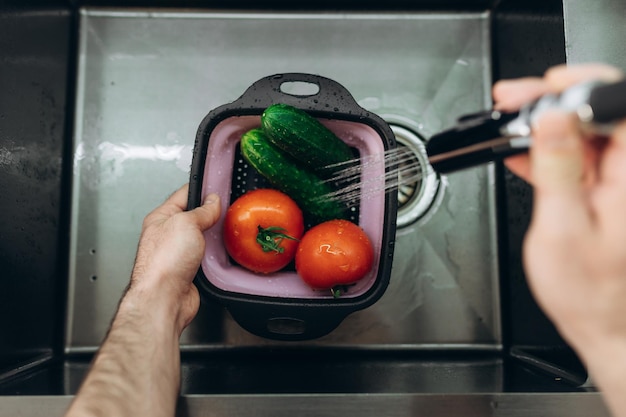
288 321
306 91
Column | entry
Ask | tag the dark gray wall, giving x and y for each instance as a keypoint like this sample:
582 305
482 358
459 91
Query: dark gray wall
34 46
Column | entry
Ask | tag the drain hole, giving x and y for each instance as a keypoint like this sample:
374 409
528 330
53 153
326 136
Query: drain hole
417 184
409 175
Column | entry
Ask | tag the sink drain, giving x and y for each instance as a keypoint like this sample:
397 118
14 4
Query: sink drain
418 185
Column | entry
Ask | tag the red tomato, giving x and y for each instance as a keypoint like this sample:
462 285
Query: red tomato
334 253
262 229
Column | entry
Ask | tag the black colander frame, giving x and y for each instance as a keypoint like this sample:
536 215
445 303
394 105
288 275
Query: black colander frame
285 318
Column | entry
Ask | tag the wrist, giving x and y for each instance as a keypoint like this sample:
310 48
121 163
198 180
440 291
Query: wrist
171 291
605 355
157 309
605 360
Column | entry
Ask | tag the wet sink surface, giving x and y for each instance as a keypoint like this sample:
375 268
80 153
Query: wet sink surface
295 371
146 80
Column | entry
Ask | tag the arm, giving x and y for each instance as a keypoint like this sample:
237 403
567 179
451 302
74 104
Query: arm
137 370
575 248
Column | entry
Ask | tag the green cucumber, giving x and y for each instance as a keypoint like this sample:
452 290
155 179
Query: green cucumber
305 187
305 139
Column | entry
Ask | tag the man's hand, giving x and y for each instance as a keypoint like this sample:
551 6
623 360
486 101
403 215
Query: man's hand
171 249
510 95
575 249
136 372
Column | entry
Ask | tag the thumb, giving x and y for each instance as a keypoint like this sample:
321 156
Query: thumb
557 166
206 215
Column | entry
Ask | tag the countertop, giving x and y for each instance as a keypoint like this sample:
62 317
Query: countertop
432 405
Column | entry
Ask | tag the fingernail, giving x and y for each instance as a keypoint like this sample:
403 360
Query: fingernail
211 198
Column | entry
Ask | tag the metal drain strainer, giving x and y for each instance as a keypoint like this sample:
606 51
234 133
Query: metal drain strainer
418 184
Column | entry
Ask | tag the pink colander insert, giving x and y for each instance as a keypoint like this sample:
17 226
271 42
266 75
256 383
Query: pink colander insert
218 177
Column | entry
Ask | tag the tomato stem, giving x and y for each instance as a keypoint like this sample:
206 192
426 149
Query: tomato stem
271 237
338 290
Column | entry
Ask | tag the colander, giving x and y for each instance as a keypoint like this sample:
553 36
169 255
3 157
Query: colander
280 305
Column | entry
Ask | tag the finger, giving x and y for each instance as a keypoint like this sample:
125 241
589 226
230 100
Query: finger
510 95
563 76
174 204
520 166
178 199
613 166
208 213
557 154
609 197
618 138
557 169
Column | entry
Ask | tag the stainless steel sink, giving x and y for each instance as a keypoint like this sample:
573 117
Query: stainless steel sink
456 332
147 78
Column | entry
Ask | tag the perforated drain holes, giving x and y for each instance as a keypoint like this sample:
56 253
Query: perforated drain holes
417 184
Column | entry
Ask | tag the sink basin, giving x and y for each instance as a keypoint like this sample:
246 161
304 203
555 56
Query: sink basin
146 80
119 98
